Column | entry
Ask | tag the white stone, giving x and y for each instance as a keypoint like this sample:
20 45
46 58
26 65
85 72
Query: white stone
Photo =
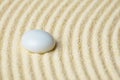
38 41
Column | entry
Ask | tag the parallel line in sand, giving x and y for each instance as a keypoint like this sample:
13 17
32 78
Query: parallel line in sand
107 13
6 47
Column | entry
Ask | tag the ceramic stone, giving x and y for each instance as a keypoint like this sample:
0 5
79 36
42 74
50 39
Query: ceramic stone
38 41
